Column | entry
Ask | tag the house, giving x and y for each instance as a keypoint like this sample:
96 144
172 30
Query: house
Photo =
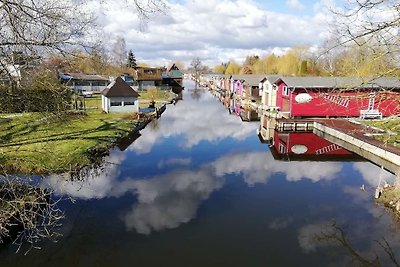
247 85
173 79
337 97
148 77
268 92
17 69
81 82
128 79
175 74
119 97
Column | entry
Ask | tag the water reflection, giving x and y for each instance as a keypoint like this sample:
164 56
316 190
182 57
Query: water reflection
172 196
204 173
194 121
28 214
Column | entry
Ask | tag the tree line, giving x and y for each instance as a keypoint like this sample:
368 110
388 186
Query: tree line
352 61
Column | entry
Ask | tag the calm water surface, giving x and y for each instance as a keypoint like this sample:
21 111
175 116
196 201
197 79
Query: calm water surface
198 188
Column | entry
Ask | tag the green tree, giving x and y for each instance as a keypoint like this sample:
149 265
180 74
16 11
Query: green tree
131 60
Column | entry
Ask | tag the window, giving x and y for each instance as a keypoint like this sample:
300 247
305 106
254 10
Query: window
99 83
82 83
282 148
129 103
285 91
116 104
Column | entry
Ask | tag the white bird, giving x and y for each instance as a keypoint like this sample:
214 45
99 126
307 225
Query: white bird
362 188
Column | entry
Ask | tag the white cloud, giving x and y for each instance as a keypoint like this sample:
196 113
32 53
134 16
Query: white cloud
258 167
168 201
207 127
216 31
295 4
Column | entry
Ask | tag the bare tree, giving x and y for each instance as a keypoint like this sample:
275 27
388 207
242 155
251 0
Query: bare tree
30 28
196 66
147 7
28 213
33 28
119 51
373 24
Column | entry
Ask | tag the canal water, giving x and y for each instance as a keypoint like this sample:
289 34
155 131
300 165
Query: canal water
200 188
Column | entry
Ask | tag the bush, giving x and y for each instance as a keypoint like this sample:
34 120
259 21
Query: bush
43 94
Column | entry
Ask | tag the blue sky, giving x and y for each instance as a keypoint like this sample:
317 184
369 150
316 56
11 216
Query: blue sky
216 30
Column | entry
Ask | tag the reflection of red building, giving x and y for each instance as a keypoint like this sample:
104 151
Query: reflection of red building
306 146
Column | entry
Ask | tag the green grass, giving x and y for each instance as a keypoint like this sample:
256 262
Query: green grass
391 127
32 144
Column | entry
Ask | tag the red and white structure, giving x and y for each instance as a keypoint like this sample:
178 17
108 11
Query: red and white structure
337 97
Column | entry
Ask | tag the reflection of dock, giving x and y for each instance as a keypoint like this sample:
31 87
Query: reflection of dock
353 138
286 125
294 140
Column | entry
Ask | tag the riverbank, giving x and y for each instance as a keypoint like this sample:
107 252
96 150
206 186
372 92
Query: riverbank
47 143
390 127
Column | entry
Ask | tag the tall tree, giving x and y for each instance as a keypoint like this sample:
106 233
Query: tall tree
131 60
119 51
196 67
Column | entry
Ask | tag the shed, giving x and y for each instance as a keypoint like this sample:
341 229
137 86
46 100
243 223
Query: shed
119 97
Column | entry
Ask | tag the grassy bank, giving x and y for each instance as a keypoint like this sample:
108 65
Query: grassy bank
44 143
391 195
391 126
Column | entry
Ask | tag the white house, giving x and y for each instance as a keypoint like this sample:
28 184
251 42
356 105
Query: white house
119 97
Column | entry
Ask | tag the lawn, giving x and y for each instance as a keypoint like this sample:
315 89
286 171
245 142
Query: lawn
45 143
391 127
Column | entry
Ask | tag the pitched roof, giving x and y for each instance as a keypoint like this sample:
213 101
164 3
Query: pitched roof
119 88
251 79
271 77
340 82
82 76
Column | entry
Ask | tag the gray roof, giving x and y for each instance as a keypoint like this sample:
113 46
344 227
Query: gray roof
251 79
271 77
85 77
340 82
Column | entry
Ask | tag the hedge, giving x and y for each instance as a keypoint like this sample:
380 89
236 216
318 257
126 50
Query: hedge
16 100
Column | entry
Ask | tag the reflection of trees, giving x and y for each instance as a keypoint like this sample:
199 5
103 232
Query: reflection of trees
28 215
197 93
154 125
337 236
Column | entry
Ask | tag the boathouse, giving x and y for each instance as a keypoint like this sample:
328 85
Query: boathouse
247 85
268 92
119 97
337 97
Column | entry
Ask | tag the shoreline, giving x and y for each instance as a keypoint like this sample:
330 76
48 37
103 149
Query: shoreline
62 145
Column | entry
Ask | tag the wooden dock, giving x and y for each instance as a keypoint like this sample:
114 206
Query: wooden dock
286 125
